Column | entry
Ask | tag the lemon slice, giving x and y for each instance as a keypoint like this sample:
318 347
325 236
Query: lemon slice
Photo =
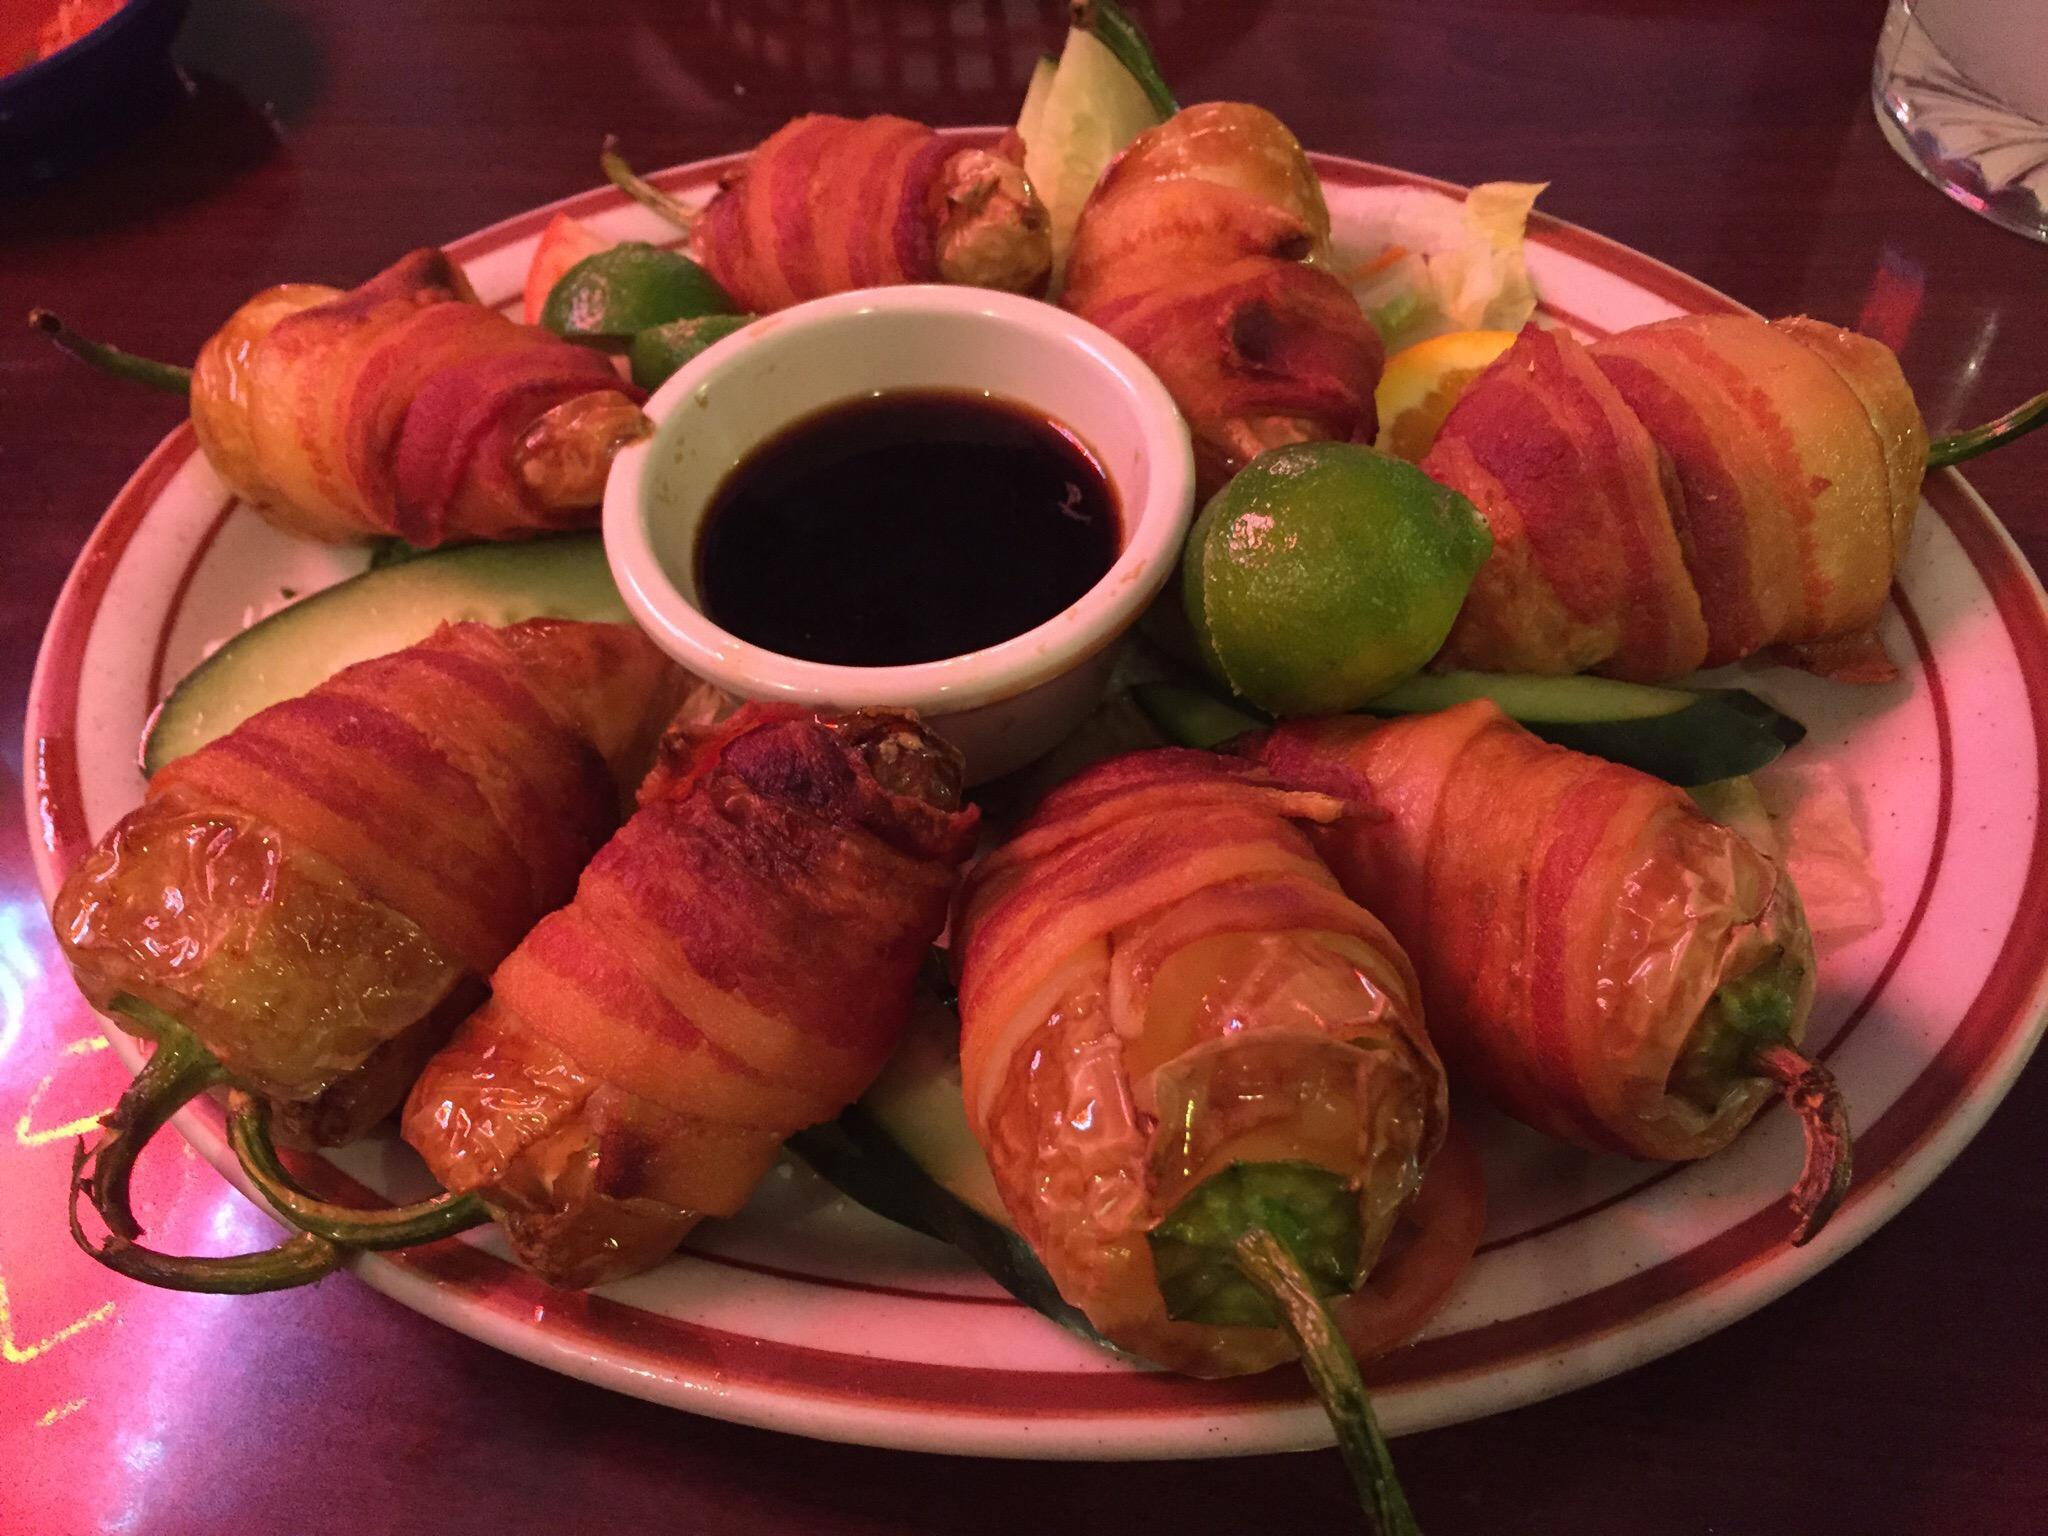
1421 384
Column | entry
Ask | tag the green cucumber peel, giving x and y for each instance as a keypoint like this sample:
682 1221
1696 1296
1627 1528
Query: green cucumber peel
858 1159
833 1153
1576 700
1683 736
1192 717
397 603
393 551
1112 26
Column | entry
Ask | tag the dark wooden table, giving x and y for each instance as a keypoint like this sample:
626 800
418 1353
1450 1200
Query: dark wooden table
1902 1391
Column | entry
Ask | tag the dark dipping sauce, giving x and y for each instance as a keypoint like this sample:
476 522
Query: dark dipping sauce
906 527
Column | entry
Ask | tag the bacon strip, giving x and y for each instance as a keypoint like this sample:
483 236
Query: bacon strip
828 204
397 408
1191 250
1569 918
311 885
1064 939
1688 492
1585 568
737 964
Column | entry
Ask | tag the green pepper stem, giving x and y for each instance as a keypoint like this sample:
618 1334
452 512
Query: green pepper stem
2015 423
299 1261
178 1071
1265 1261
400 1226
1829 1167
640 189
168 377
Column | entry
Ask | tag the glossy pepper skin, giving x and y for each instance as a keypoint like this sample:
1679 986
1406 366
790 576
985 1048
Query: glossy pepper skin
1159 980
304 893
1573 922
737 964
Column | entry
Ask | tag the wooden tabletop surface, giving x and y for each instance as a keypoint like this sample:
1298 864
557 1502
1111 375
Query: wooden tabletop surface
1904 1390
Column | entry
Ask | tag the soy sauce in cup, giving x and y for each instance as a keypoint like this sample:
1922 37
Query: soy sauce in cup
906 527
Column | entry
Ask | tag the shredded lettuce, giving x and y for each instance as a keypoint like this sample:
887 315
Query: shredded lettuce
1441 266
1819 825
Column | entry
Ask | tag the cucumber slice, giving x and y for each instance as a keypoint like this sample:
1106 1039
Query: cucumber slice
869 1170
905 1152
1032 113
1190 717
917 1104
1683 736
1553 700
1092 109
374 614
863 1162
1119 32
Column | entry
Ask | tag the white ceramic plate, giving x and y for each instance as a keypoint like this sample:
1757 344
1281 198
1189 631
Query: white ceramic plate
806 1315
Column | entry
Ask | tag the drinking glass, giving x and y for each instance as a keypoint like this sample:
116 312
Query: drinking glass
1961 90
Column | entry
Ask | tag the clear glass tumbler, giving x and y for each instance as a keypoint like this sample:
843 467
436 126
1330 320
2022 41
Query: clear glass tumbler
1961 90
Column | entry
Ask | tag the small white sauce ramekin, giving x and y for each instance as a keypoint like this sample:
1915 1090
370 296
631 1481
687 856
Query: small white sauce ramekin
1001 706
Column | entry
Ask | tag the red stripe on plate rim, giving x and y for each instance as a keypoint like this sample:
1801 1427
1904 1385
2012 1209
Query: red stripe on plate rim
175 608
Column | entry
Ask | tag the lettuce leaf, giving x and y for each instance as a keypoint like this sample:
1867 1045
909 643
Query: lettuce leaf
1442 266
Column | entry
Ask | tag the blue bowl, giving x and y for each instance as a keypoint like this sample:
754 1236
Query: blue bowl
96 85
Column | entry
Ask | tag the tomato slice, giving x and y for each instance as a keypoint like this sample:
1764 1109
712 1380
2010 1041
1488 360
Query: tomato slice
563 243
1429 1249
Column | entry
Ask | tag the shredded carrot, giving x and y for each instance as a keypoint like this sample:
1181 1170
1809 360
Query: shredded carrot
1377 264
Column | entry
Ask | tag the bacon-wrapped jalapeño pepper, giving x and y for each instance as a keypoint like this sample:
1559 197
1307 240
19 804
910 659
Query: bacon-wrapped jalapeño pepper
737 964
1197 249
1199 1071
302 907
402 408
1689 493
1601 960
828 204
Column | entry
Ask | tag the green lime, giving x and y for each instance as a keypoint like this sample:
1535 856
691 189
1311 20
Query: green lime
660 350
624 290
1325 573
